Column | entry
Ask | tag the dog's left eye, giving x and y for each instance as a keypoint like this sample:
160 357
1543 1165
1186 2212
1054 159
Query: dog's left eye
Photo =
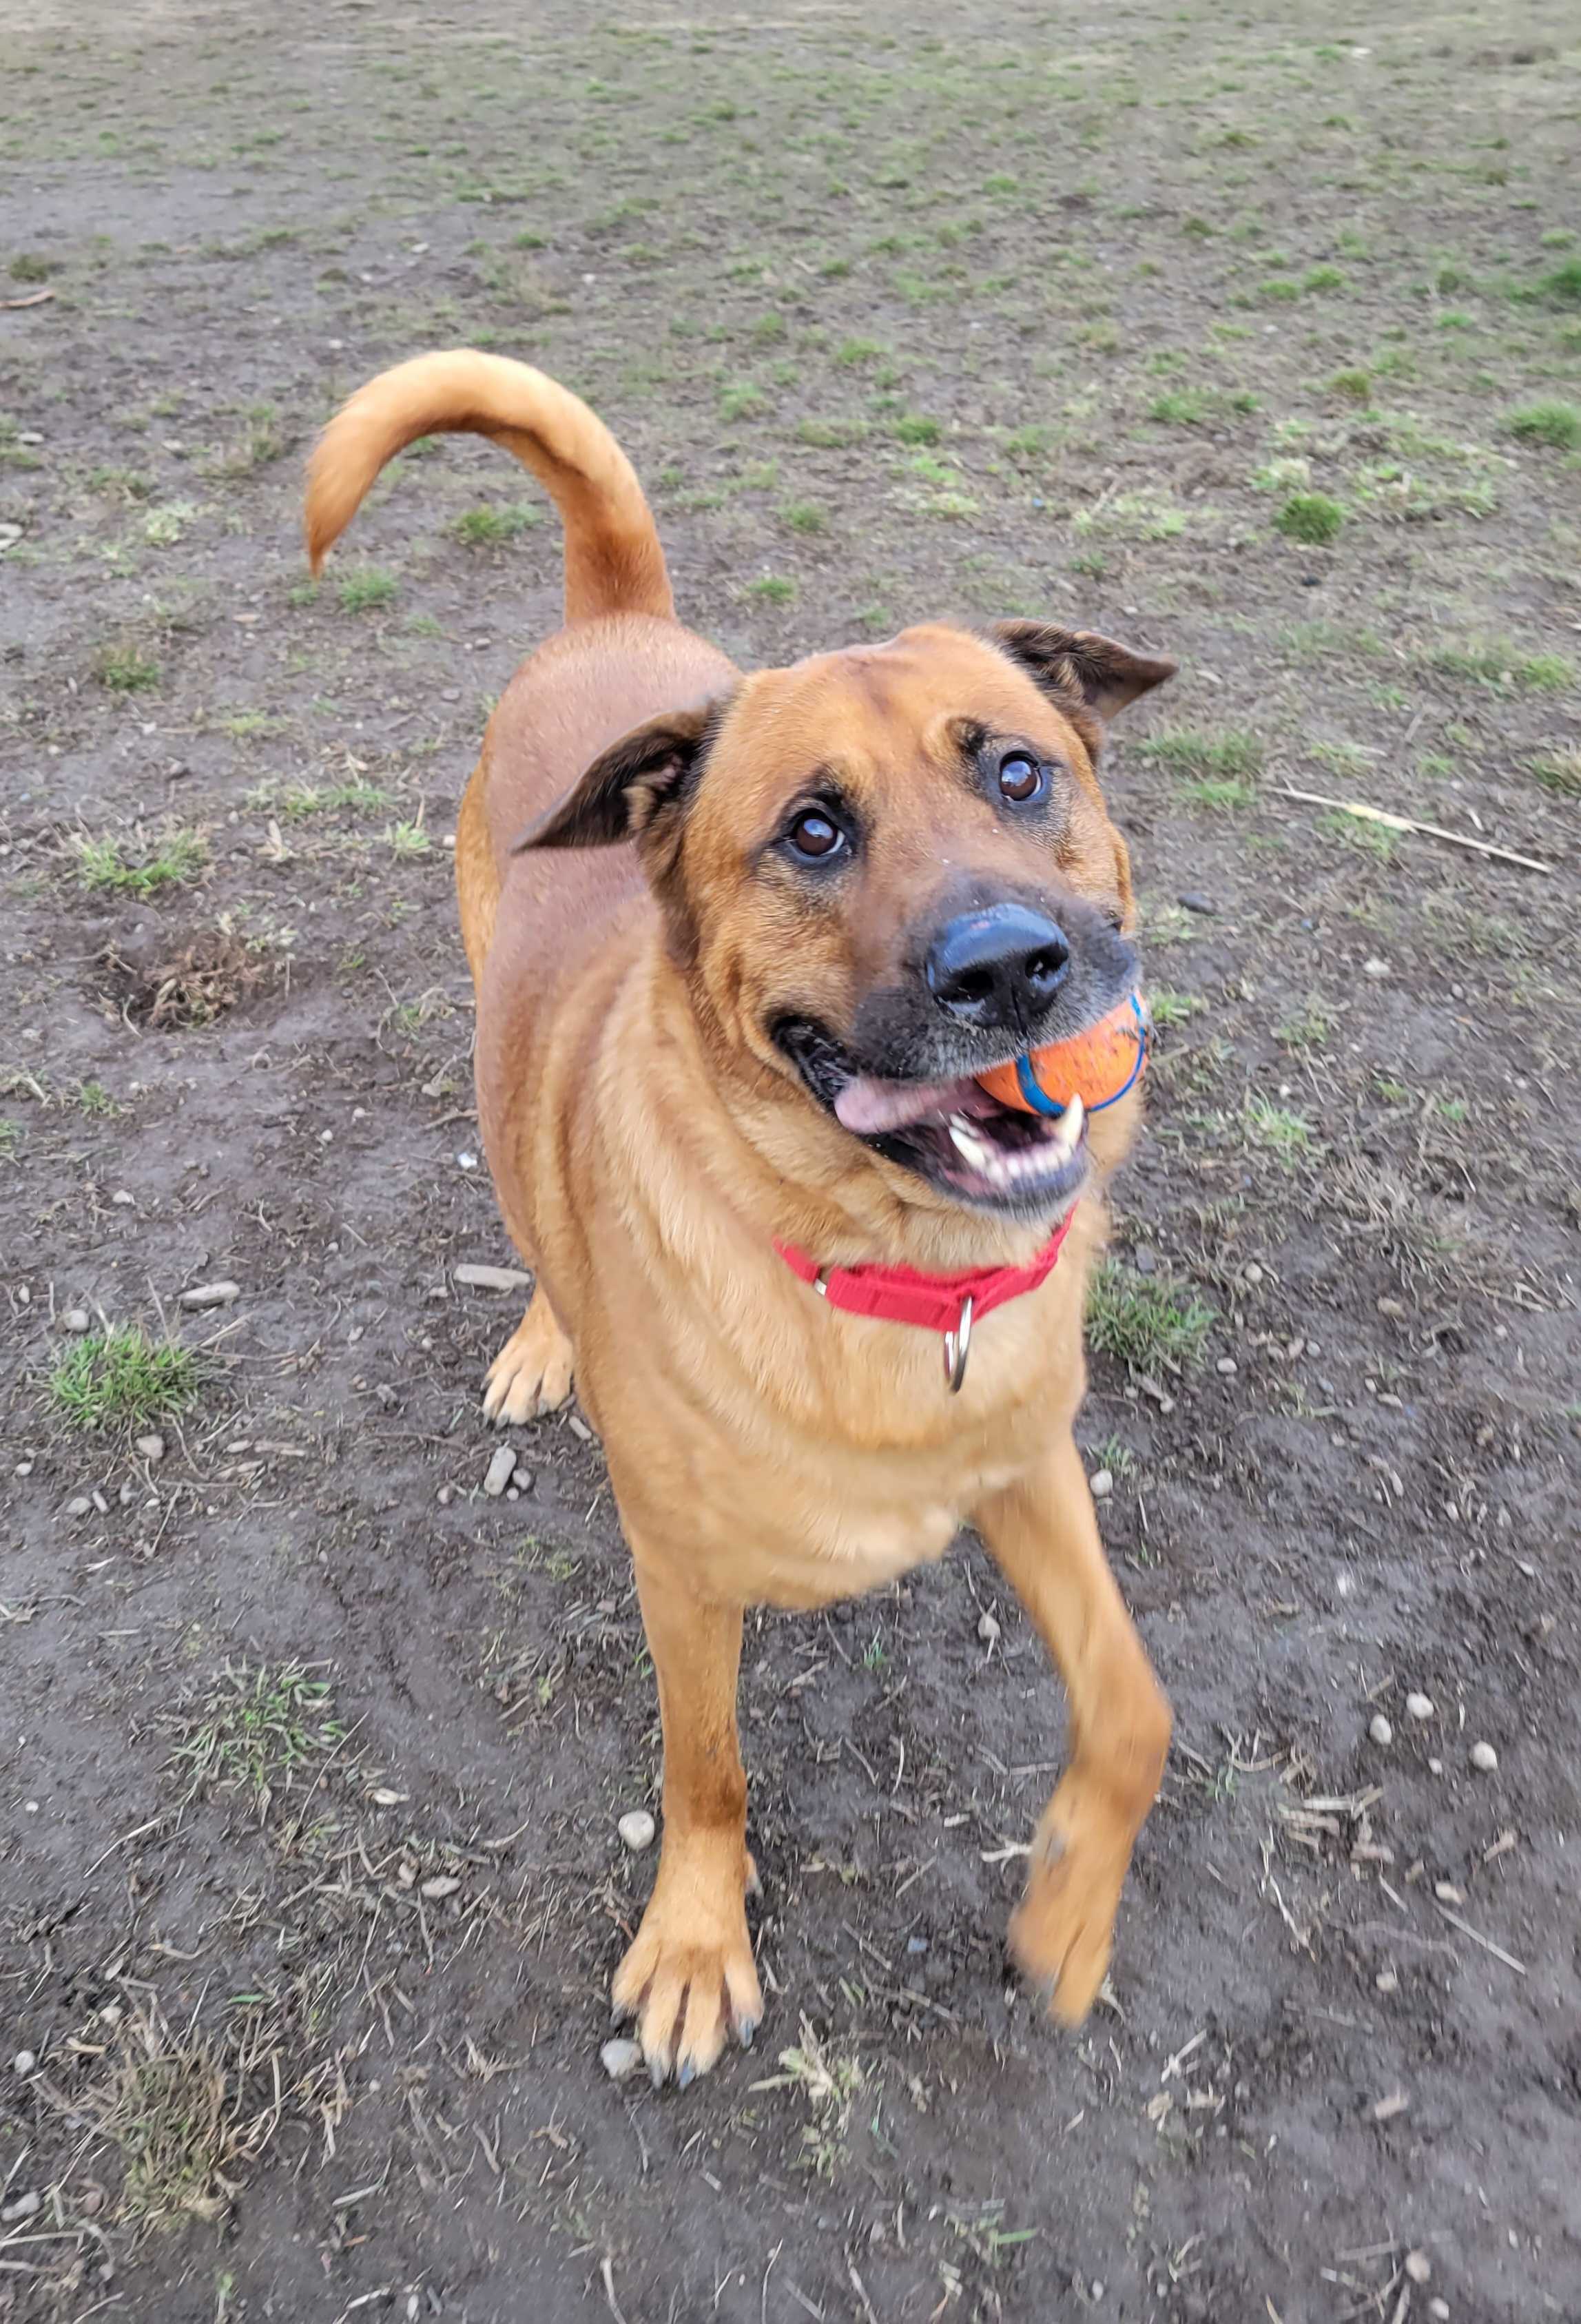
1021 778
816 837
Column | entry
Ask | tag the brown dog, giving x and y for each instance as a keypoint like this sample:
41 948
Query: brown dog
741 946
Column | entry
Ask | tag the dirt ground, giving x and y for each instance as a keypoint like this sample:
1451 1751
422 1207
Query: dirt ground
1248 340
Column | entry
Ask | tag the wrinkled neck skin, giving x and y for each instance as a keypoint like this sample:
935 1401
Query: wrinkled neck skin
748 1138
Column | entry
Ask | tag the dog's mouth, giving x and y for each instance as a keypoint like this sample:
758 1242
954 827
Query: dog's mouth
954 1133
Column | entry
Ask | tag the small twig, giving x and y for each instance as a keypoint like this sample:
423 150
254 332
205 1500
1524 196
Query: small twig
1477 1938
1407 823
33 299
608 2273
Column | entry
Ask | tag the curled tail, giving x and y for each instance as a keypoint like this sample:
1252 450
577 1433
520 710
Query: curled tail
613 561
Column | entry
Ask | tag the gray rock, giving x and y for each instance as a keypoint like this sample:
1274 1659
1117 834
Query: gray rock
211 1294
501 1470
637 1829
620 2059
153 1448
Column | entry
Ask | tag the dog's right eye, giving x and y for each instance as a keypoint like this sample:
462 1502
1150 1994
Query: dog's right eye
815 837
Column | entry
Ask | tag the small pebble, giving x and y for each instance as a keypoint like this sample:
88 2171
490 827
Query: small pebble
988 1626
636 1829
620 2059
1191 901
153 1448
1438 2310
1419 1706
23 1469
121 1199
25 2061
211 1294
1378 1729
78 1505
26 2207
1418 2266
1447 1893
916 1946
99 1502
442 1885
1435 1766
1227 1366
76 1318
1101 1484
1252 1272
1387 1980
501 1470
1375 968
1485 1757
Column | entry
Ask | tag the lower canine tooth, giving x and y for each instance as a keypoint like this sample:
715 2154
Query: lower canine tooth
1067 1128
968 1144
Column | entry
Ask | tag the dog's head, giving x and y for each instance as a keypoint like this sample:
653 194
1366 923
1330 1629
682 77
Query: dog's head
885 871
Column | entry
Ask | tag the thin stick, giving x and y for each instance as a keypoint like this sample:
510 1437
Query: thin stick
1428 830
1477 1938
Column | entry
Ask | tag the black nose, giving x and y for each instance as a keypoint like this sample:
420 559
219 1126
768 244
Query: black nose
1000 967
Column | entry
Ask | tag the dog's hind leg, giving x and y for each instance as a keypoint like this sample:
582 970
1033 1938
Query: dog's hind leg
689 1979
532 1372
1043 1535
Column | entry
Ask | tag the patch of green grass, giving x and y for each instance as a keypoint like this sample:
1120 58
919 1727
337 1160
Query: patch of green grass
1322 277
136 865
1560 287
261 1728
490 527
1496 663
10 1138
1560 771
1311 518
1180 407
742 399
127 670
163 527
916 427
803 516
1148 1323
1311 1026
773 589
94 1098
1228 754
367 588
1222 792
123 1380
407 838
1167 1007
27 266
1355 386
1287 1136
853 355
1556 425
1361 833
833 434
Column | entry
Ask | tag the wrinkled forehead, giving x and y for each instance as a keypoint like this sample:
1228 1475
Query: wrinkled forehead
874 711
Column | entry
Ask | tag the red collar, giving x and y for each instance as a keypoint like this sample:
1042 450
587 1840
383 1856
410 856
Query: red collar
933 1303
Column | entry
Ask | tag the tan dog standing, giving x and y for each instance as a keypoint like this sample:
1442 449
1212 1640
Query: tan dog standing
741 946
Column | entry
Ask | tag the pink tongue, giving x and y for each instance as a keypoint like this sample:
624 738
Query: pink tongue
867 1105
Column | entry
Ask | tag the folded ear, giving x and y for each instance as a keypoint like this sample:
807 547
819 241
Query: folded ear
1080 666
653 767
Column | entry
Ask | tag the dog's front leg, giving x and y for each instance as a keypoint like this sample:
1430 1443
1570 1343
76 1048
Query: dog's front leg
1044 1535
689 1979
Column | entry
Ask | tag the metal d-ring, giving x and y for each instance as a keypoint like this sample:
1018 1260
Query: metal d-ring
957 1348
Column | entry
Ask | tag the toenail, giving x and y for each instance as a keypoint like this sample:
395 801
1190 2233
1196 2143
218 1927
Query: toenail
655 2072
687 2075
749 2027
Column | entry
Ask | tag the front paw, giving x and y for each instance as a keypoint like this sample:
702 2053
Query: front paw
689 1979
1061 1933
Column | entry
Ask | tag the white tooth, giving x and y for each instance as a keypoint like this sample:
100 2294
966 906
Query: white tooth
1067 1128
967 1142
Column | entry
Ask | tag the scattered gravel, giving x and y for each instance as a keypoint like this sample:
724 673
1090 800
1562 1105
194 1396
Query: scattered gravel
637 1829
1101 1484
76 1318
25 2061
1484 1757
78 1505
621 2059
1418 2266
153 1448
501 1470
1378 1729
1419 1706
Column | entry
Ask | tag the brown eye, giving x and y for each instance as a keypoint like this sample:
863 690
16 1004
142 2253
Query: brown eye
1021 778
815 837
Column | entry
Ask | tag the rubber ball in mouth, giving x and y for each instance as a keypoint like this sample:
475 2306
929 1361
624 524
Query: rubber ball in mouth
1099 1066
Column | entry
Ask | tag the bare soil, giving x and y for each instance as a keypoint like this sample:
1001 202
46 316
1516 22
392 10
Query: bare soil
310 1754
